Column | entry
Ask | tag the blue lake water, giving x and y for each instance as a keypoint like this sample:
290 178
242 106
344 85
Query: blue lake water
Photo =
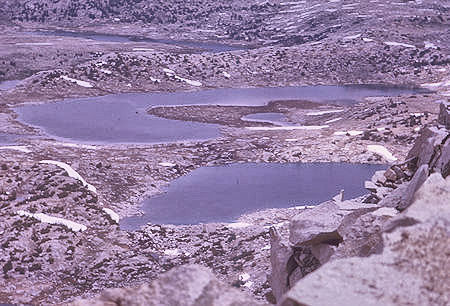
122 118
7 85
223 193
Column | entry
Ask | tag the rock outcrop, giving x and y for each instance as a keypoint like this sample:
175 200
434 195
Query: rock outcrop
185 285
444 114
397 185
314 234
412 270
333 233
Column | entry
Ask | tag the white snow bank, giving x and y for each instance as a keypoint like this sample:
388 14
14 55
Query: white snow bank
115 217
72 173
325 112
78 82
333 120
171 73
77 145
393 43
226 74
16 148
190 82
243 277
73 226
351 133
385 211
352 37
430 45
168 71
167 164
238 225
382 151
172 252
287 128
34 44
367 39
106 71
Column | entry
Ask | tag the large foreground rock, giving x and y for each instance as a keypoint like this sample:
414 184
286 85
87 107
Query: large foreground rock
412 270
427 146
444 114
322 223
184 286
314 233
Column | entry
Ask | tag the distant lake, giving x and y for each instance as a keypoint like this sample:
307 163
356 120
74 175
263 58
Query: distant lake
7 85
122 118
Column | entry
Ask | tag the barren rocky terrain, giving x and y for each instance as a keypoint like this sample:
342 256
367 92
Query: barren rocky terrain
61 200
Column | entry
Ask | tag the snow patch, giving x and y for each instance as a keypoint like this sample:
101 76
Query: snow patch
167 164
155 80
287 128
168 71
77 145
382 151
34 44
73 226
393 43
226 74
352 37
172 252
190 82
22 149
114 216
429 45
325 112
333 120
106 71
78 82
71 172
367 39
385 211
238 225
171 73
244 277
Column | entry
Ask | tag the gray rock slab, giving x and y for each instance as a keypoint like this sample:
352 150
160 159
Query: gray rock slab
418 179
321 224
412 270
444 114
